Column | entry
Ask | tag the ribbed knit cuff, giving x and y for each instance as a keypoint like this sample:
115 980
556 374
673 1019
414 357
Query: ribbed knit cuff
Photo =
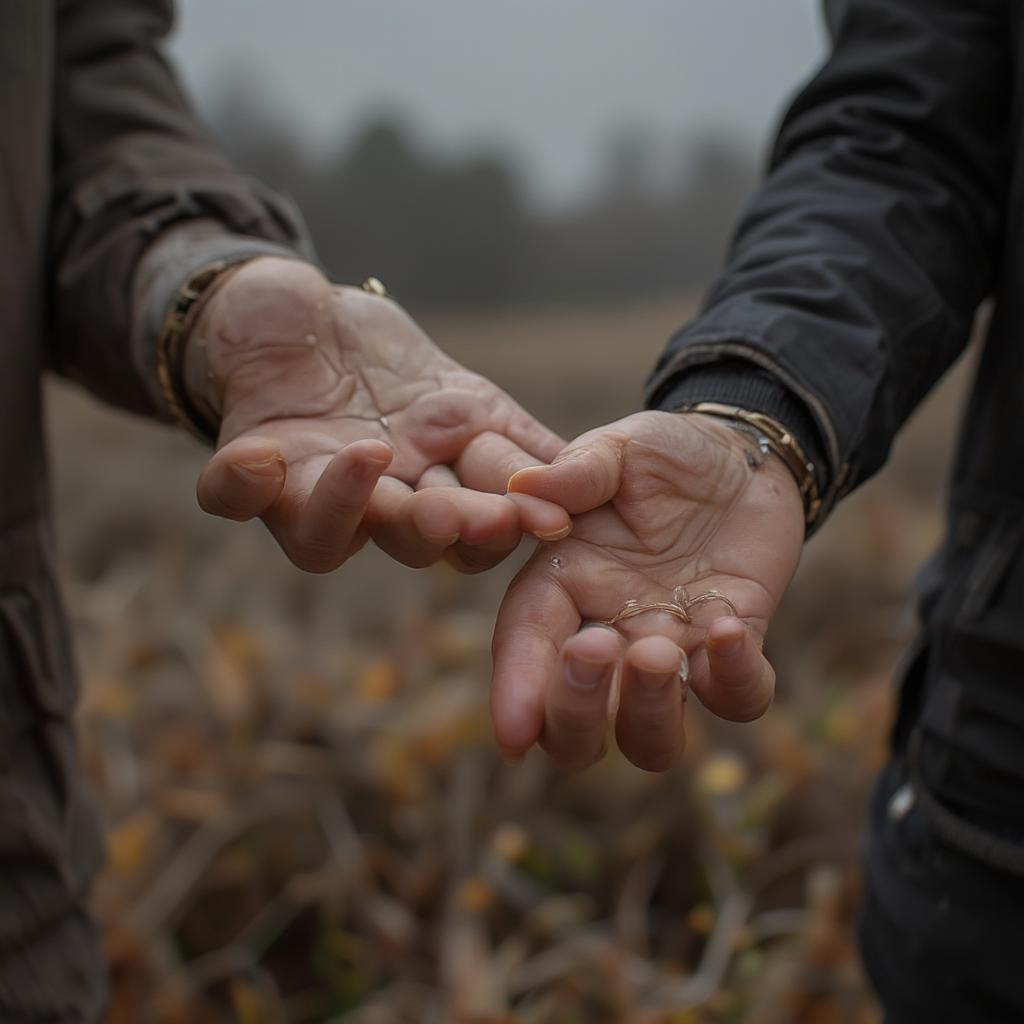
743 384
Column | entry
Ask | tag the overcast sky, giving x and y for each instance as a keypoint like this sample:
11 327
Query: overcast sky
551 80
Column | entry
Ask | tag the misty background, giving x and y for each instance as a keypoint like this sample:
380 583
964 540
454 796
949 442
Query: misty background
476 154
298 771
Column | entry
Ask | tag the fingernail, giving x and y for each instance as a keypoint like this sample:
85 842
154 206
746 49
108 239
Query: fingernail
727 648
587 675
519 473
513 760
260 470
557 535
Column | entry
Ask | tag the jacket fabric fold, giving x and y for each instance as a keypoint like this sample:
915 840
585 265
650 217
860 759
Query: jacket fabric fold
111 195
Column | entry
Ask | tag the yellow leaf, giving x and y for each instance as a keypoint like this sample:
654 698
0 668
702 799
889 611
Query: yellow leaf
841 726
510 842
701 919
378 680
130 845
723 775
475 895
247 1003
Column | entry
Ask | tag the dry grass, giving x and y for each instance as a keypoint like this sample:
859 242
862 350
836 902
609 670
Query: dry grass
307 819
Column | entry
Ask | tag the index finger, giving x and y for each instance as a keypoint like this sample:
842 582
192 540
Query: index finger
536 617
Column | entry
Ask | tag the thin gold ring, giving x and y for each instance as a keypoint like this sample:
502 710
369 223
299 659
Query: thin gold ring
679 606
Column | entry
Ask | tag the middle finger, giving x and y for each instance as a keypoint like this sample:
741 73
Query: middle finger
649 725
576 701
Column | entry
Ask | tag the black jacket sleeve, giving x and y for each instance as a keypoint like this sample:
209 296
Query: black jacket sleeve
854 277
142 197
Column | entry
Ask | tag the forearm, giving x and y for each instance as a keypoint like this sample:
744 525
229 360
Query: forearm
854 277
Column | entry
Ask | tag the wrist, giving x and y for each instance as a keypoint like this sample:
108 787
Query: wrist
747 386
197 375
258 313
768 444
172 346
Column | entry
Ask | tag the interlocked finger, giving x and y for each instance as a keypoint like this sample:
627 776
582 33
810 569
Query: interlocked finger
438 476
413 527
490 460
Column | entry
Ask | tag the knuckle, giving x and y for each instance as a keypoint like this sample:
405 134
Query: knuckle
754 706
224 502
511 462
471 562
573 757
314 558
577 724
530 615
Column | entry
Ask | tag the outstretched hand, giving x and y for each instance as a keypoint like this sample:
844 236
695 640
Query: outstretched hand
661 500
342 421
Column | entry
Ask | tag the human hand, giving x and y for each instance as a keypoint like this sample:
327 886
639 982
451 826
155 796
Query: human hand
341 420
661 500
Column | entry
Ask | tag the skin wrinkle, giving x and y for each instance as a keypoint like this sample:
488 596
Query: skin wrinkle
462 414
450 418
288 415
617 444
657 553
635 509
657 458
248 382
251 360
353 360
359 371
655 535
694 630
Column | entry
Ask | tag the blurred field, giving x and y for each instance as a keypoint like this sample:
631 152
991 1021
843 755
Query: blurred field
307 819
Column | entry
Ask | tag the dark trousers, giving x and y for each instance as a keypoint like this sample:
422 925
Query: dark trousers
942 934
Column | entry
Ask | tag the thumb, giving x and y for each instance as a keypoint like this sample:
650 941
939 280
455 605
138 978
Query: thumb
583 477
242 480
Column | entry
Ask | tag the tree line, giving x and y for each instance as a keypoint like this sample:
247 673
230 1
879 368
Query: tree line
462 233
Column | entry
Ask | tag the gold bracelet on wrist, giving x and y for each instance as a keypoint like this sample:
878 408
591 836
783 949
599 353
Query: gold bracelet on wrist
773 436
170 347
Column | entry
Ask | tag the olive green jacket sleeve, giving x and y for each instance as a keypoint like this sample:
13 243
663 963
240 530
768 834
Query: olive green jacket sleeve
142 197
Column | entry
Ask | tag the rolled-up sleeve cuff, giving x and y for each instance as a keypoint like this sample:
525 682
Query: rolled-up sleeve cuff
163 269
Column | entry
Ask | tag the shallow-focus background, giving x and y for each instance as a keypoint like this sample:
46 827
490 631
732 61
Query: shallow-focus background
307 819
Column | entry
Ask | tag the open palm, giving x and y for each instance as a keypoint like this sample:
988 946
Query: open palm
661 500
341 420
